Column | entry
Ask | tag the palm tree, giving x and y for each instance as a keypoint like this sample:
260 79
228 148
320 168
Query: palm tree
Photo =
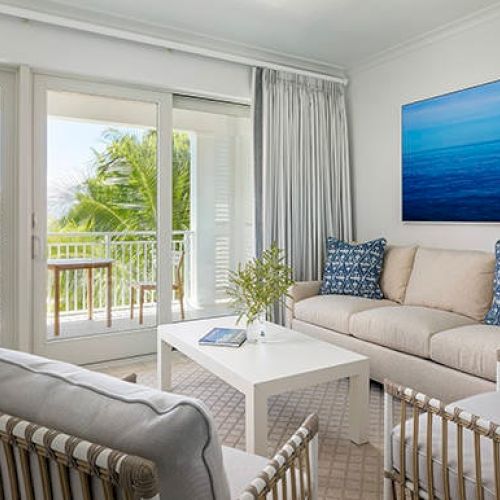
121 193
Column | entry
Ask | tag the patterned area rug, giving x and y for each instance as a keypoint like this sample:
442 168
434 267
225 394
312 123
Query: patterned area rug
346 471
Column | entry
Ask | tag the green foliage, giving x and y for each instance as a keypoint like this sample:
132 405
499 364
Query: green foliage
181 181
121 194
257 285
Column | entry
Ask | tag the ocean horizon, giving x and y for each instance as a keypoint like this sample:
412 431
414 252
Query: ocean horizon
458 183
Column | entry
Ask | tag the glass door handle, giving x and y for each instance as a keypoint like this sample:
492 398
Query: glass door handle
35 247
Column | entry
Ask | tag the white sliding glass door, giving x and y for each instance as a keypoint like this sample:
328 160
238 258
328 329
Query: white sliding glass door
101 222
213 200
7 208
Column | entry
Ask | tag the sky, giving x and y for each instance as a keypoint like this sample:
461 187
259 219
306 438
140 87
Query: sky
469 116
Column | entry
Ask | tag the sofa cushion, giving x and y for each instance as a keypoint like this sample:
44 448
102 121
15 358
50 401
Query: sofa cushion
353 269
396 271
333 311
452 280
493 315
175 432
406 328
471 349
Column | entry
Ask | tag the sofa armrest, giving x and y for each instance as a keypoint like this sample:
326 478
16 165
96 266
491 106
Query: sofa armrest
297 292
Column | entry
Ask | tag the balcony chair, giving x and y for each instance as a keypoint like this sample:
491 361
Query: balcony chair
142 287
441 451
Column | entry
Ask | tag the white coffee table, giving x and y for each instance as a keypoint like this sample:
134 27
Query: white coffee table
288 361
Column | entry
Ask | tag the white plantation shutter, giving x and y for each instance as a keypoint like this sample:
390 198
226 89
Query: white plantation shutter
223 202
222 193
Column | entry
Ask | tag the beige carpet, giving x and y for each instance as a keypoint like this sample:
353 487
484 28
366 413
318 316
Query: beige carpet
346 471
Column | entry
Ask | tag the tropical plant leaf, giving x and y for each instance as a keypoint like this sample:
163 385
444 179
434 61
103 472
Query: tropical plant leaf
121 192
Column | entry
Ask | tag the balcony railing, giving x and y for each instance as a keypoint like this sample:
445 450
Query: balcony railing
134 255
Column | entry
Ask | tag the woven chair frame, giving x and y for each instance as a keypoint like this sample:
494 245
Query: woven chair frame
415 404
131 476
293 470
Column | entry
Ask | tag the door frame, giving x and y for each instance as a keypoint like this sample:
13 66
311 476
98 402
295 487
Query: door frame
106 346
8 259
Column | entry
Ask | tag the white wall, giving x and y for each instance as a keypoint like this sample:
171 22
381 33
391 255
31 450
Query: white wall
465 58
76 53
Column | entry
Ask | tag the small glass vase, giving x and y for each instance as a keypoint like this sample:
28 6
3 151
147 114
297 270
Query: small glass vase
256 331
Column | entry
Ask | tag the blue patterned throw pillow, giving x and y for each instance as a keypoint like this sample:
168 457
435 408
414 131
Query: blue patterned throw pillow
493 316
353 269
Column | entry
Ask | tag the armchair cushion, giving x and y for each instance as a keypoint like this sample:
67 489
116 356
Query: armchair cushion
241 468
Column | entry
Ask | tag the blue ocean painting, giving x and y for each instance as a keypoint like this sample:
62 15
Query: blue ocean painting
451 157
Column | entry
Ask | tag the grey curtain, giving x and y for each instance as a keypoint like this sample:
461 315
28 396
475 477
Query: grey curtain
302 173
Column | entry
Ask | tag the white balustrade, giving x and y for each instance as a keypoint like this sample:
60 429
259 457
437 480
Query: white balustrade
134 255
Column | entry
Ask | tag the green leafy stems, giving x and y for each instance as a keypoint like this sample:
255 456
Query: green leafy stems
260 283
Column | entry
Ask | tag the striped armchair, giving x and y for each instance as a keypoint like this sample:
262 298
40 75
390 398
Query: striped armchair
441 451
69 433
38 462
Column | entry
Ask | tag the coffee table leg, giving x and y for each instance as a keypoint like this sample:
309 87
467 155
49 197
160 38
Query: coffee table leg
359 395
256 422
164 365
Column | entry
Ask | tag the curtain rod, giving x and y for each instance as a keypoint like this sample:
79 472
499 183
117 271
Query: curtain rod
122 34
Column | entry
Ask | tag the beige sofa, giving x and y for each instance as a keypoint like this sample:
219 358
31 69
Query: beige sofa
426 333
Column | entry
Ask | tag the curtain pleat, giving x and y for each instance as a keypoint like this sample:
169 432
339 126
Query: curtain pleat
302 179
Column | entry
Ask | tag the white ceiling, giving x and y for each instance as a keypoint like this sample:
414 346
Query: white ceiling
312 33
